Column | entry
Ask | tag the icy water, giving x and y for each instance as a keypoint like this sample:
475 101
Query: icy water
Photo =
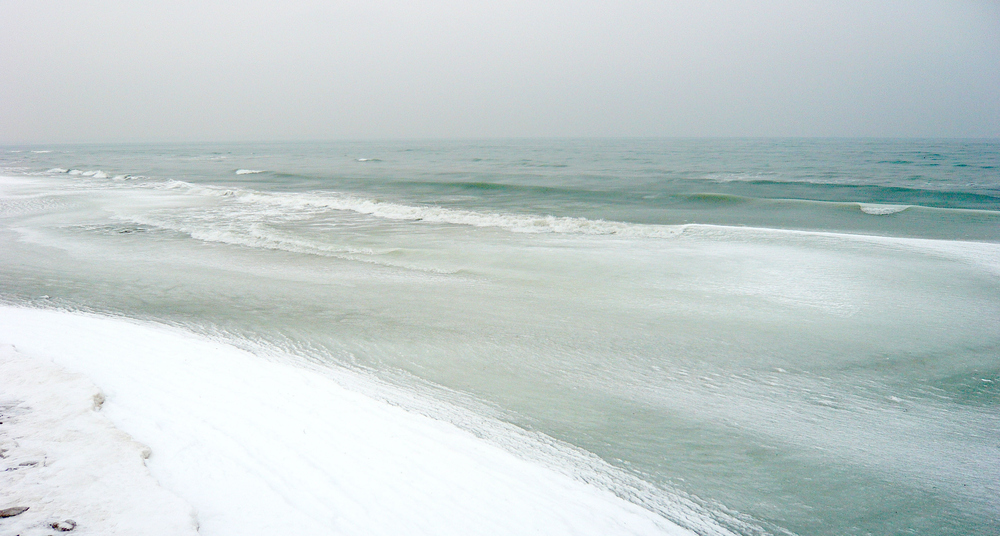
764 336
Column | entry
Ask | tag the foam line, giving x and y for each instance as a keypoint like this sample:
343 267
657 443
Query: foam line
980 253
523 223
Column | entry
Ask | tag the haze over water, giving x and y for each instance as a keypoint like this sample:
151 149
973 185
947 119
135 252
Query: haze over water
770 336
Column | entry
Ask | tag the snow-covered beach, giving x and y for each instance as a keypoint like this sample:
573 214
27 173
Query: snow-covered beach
65 467
241 445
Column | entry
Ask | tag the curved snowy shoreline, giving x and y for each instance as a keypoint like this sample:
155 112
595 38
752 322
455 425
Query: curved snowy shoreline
258 447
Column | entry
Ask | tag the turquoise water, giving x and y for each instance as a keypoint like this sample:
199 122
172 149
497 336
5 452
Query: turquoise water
797 336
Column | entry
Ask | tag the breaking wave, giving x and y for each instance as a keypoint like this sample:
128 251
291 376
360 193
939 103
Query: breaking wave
95 173
520 223
881 210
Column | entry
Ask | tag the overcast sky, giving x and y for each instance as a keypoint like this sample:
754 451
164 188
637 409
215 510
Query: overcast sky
74 71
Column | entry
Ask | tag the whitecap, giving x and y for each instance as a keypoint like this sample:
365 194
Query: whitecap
876 209
248 171
518 223
58 170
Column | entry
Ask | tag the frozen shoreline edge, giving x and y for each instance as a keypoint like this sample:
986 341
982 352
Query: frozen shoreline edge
429 475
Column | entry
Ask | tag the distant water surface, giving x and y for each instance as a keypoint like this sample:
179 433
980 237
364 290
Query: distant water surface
771 336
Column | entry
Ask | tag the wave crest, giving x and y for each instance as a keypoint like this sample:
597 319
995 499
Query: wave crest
876 209
518 223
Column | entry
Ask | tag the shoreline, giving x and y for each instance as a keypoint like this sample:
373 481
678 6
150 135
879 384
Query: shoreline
258 447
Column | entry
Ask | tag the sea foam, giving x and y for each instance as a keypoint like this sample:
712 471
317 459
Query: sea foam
876 209
268 206
521 223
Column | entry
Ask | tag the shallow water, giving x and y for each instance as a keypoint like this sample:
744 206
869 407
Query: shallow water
798 335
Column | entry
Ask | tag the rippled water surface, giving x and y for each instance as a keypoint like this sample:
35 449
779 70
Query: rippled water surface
779 336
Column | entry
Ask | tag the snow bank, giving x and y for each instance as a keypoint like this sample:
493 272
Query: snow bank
259 447
68 464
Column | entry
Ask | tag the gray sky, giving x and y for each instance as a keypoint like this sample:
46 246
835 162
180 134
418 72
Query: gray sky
253 70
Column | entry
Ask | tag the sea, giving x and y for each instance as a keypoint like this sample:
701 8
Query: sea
779 336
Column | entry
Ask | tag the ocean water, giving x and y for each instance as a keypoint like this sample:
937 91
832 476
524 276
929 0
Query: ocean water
770 336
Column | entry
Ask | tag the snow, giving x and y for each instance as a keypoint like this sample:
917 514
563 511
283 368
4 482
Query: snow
263 447
68 464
